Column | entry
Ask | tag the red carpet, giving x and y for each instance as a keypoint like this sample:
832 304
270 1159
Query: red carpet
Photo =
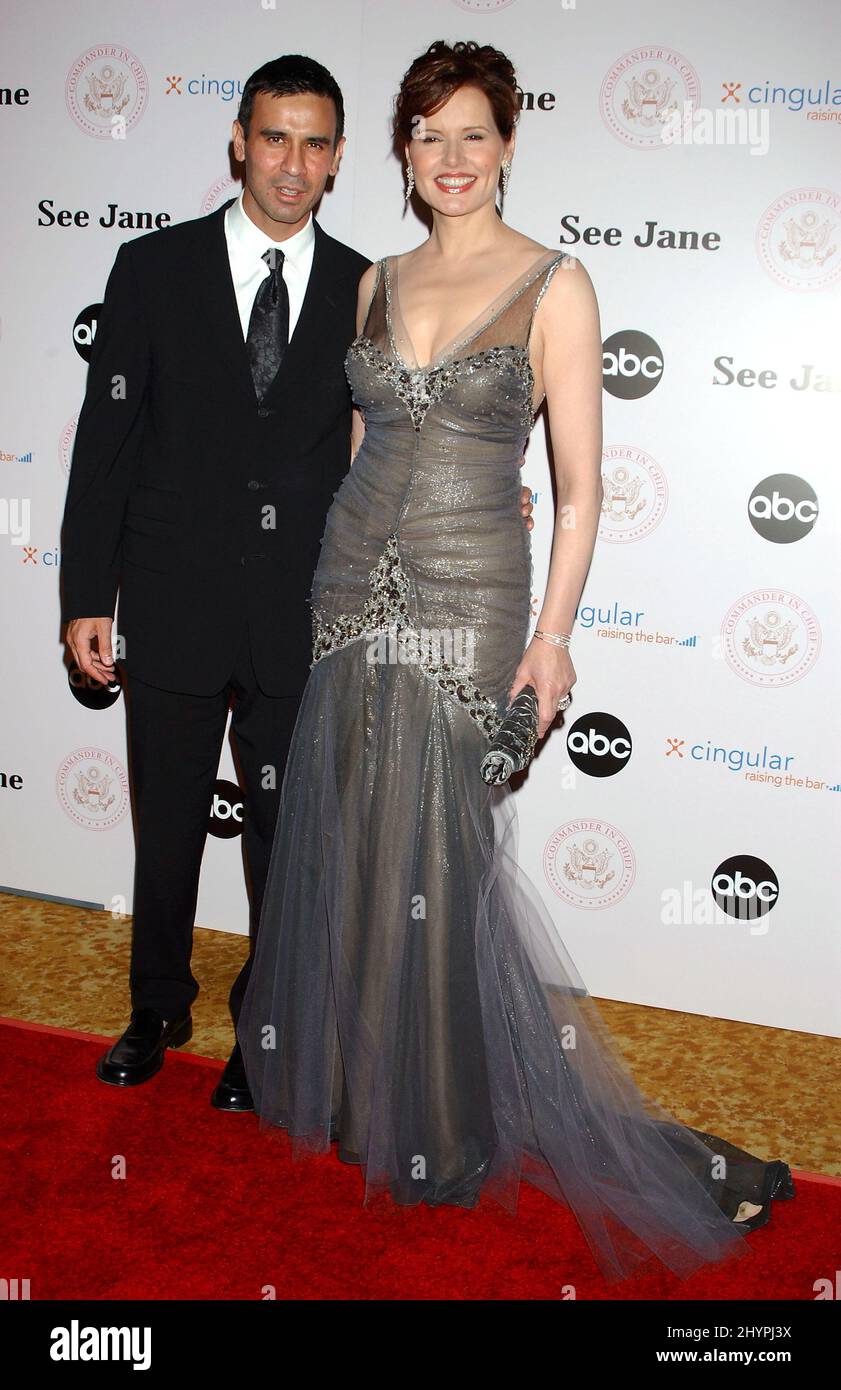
211 1209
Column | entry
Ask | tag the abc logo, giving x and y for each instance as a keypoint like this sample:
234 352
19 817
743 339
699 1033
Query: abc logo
84 330
745 887
599 744
632 365
225 811
783 508
89 692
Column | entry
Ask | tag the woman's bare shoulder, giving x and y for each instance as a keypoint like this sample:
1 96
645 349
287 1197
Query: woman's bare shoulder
365 293
528 249
368 280
568 301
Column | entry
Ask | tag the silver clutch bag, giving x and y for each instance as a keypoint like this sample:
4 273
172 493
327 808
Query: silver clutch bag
512 746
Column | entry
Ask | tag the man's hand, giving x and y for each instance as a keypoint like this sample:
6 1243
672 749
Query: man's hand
96 661
526 508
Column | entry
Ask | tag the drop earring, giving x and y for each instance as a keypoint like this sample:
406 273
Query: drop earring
506 175
410 180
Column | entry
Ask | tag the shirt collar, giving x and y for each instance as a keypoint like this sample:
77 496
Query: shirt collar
251 241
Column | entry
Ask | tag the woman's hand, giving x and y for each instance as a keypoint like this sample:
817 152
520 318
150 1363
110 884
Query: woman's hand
526 507
550 670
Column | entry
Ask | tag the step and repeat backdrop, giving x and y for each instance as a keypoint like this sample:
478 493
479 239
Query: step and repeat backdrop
682 824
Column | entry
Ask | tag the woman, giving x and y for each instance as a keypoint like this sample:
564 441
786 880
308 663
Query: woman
409 996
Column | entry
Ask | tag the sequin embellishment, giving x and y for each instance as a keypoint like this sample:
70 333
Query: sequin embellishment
387 611
420 388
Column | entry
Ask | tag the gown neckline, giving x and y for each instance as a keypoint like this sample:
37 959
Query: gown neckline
472 329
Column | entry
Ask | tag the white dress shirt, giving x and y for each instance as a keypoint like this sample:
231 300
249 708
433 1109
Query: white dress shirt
246 246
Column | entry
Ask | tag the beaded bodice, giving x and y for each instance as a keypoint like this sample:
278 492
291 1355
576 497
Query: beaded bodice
425 532
493 345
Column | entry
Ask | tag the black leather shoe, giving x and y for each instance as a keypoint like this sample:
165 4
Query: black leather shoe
232 1092
139 1053
779 1186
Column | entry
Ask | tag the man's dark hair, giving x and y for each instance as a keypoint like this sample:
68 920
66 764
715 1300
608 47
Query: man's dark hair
292 75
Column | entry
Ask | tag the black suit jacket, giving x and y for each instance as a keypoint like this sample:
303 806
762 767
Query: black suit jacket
202 507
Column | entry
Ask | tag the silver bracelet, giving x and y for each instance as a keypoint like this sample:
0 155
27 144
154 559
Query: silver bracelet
557 639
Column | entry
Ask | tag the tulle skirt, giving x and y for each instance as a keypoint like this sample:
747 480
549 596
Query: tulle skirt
411 999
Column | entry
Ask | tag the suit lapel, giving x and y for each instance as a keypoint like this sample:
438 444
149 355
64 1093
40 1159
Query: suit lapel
221 305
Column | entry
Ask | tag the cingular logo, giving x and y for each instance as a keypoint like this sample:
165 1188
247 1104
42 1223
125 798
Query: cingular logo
225 821
783 508
599 744
632 364
745 887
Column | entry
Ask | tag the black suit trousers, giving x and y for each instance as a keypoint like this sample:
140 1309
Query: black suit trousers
175 741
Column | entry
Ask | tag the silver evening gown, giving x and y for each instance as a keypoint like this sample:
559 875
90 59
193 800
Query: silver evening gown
410 996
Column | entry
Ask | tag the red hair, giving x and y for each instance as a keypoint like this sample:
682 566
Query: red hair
433 77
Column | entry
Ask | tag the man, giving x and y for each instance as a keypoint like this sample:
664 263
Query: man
214 433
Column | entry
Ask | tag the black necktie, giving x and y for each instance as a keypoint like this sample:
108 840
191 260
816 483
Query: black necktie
268 327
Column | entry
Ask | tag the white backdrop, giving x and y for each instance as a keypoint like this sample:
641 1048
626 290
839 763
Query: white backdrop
699 764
